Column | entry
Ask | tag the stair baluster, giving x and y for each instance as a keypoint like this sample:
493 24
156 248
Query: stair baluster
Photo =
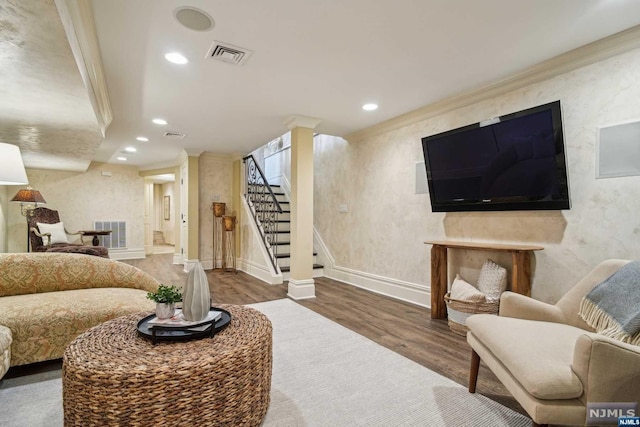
264 206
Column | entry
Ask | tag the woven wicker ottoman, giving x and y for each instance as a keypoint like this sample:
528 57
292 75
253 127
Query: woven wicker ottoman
113 377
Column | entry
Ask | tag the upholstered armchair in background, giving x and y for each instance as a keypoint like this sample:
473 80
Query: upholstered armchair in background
48 234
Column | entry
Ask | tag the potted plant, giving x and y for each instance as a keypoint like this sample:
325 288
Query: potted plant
165 298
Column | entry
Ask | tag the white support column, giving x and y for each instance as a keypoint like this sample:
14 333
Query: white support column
301 284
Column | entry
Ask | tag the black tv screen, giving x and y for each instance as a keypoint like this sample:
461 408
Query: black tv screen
512 162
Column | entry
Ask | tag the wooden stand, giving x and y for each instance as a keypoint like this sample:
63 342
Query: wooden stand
520 269
229 243
219 209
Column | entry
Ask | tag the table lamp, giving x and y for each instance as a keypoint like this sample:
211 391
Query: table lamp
29 199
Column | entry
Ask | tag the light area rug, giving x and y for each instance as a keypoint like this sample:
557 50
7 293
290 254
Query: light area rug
323 375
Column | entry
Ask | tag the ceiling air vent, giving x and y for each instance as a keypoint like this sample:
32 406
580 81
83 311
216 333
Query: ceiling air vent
226 52
173 134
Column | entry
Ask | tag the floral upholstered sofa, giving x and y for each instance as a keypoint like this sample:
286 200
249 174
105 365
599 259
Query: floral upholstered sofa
48 299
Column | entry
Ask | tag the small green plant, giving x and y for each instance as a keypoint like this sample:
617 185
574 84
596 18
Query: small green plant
165 294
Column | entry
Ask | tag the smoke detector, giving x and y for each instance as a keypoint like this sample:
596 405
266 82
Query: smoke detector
174 134
229 53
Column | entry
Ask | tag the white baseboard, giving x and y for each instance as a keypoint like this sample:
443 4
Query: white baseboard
413 293
403 291
120 254
259 272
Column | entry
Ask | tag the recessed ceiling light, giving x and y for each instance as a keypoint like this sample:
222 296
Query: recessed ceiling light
159 121
130 149
122 158
176 58
142 139
370 107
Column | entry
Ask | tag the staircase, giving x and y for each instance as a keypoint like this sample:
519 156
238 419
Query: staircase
283 237
272 214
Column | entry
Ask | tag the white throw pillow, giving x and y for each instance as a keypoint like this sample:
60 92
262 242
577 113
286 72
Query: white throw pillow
465 291
493 280
56 230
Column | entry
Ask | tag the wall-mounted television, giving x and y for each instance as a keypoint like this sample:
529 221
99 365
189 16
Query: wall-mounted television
511 162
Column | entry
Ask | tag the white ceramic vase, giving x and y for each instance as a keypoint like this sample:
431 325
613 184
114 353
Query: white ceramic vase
196 299
165 311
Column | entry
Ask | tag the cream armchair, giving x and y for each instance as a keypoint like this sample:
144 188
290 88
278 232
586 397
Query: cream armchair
549 359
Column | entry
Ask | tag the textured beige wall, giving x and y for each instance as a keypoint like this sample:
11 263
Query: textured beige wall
168 226
81 198
384 230
216 178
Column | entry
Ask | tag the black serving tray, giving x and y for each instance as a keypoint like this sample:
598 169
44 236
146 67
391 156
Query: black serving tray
164 333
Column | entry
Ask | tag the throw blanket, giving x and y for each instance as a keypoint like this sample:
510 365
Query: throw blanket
612 308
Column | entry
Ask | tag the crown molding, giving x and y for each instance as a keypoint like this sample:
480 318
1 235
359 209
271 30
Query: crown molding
302 122
80 28
154 172
599 50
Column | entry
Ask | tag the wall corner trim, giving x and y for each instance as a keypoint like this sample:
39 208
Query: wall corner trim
79 26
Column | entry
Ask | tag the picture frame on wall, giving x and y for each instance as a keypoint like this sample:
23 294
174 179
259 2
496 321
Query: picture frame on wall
166 205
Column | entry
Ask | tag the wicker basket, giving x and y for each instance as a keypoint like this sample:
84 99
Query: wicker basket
458 311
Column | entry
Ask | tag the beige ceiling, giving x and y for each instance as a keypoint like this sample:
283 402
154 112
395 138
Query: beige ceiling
44 107
321 59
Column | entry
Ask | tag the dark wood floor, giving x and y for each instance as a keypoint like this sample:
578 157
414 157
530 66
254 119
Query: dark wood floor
402 327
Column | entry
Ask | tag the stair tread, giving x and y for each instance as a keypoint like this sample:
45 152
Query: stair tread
279 202
285 269
288 255
275 194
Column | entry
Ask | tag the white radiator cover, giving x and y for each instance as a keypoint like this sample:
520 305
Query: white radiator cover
118 237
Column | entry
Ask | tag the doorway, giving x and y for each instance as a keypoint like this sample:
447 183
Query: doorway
163 216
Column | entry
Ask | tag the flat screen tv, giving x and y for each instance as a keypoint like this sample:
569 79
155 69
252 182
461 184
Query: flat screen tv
512 162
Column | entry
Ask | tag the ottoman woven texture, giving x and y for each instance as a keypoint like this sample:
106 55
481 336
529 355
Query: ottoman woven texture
113 377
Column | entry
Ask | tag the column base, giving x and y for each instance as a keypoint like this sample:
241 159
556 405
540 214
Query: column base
188 264
301 289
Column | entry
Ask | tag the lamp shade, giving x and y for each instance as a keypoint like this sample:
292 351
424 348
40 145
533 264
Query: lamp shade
11 166
28 195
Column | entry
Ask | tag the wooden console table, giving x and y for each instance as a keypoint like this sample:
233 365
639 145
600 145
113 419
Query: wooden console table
520 269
